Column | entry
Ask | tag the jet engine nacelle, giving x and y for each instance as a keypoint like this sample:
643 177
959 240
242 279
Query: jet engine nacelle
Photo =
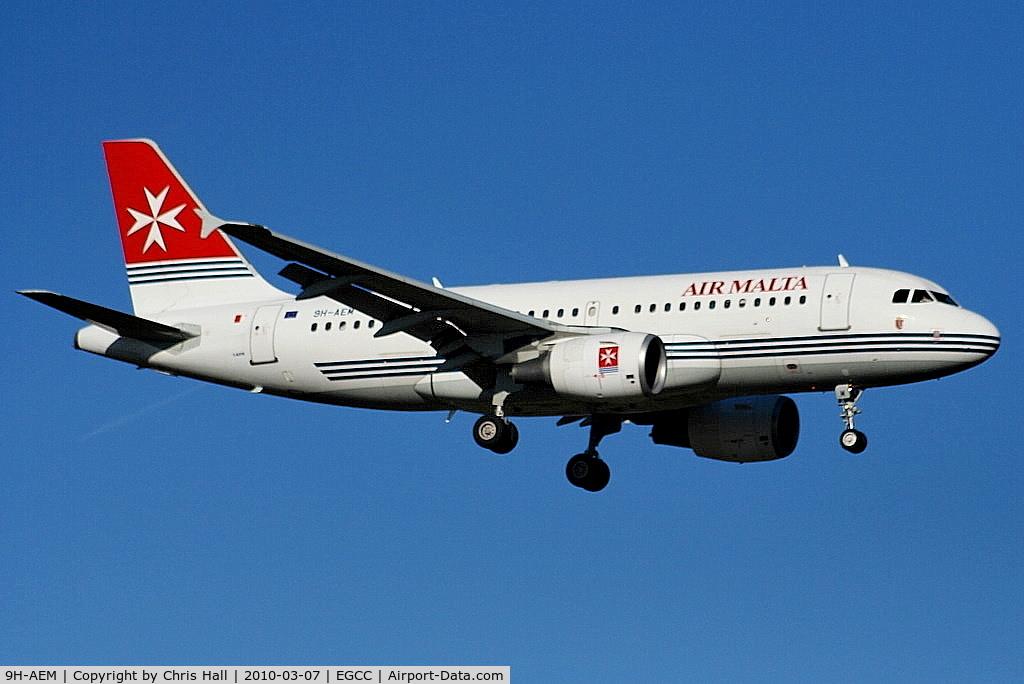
611 366
742 430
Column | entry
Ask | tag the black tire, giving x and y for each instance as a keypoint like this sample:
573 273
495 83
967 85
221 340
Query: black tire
495 434
600 474
577 469
853 441
488 431
587 472
508 441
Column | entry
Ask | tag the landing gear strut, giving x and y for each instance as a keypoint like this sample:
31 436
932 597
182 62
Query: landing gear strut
852 440
587 470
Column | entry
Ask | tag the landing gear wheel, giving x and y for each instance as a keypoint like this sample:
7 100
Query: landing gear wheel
495 434
853 441
509 441
601 475
588 472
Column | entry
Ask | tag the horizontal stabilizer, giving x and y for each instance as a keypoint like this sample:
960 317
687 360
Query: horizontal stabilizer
123 324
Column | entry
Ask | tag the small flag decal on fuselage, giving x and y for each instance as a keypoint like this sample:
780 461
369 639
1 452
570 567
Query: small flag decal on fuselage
608 360
291 314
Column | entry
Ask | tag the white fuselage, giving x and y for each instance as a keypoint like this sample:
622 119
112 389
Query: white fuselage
726 334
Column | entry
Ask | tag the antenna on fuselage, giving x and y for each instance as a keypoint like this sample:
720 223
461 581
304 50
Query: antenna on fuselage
843 262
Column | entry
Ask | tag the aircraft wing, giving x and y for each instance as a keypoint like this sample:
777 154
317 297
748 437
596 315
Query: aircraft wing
447 320
123 324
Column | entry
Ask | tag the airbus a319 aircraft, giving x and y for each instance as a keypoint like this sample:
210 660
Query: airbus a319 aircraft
703 359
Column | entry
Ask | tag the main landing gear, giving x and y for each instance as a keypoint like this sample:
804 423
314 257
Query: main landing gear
587 470
852 440
496 433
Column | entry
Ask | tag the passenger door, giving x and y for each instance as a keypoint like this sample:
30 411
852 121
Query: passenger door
835 302
261 335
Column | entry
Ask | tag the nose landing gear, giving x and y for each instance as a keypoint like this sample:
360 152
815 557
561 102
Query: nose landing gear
851 439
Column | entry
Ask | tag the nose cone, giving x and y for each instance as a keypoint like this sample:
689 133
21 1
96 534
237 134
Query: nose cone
987 329
980 335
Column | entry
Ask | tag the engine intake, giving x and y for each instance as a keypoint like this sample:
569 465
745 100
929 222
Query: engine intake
614 366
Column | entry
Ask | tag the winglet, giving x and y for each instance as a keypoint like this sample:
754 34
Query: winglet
210 222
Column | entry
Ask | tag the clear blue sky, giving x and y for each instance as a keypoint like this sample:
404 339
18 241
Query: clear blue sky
153 520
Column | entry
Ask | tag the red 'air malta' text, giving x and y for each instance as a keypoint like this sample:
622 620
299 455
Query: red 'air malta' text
721 287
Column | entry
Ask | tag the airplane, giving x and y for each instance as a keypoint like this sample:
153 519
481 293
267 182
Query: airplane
705 360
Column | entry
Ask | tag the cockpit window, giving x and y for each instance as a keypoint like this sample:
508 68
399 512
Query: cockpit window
921 297
944 298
